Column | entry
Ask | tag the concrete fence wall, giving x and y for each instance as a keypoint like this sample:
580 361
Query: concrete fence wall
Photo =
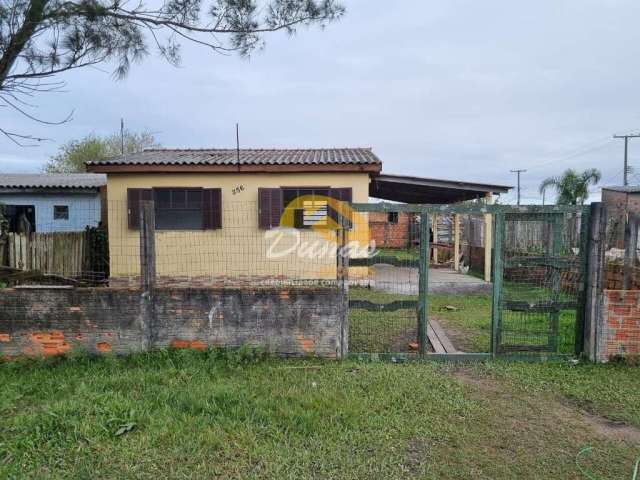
286 321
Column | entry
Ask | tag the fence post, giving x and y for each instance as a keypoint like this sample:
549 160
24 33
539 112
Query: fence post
595 273
630 246
488 240
434 229
147 246
556 251
423 283
456 242
342 271
496 297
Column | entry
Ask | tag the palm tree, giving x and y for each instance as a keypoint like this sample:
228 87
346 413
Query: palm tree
572 187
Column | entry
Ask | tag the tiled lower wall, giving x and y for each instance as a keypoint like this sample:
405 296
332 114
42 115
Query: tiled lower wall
620 324
285 321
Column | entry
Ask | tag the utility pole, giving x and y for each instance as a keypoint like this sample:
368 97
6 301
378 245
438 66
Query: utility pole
122 136
518 171
625 177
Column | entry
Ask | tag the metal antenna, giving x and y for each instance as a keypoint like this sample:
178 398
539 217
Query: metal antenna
238 144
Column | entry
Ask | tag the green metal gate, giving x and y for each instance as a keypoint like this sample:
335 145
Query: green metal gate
538 292
539 280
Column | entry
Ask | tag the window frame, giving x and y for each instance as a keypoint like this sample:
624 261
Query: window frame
56 213
210 206
158 208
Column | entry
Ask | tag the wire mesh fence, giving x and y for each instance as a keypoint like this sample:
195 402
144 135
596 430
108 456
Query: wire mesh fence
187 251
383 297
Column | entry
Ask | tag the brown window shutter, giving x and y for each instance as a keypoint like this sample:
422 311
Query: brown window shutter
211 208
134 197
269 207
344 195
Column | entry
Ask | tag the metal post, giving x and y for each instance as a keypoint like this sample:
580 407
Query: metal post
487 241
434 229
147 245
497 283
423 283
585 221
456 242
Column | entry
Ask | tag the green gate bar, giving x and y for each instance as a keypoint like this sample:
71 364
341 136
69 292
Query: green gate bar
497 281
423 284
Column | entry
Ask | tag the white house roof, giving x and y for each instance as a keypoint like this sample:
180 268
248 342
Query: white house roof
57 180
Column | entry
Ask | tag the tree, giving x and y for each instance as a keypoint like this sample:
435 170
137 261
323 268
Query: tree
40 39
71 156
572 187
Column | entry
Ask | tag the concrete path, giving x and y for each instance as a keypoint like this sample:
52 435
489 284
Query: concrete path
390 279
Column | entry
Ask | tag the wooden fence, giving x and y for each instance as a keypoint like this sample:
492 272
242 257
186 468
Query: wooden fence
59 253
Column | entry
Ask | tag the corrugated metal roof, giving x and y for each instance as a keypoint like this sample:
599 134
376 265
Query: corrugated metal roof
57 180
224 156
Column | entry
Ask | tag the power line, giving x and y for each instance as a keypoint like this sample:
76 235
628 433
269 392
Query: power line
590 147
518 171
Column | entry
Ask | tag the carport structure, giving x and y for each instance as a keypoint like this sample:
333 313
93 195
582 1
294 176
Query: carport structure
433 191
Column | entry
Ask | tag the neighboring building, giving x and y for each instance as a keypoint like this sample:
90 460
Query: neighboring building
623 199
52 203
394 229
215 206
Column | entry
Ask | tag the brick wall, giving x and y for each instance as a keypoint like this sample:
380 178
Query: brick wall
620 201
286 321
390 235
620 324
614 277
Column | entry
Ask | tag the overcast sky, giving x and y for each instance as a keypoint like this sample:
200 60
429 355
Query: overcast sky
456 89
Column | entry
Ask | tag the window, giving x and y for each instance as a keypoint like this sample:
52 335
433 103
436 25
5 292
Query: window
178 208
61 212
392 217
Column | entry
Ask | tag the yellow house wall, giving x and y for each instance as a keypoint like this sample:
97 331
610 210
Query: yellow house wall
239 248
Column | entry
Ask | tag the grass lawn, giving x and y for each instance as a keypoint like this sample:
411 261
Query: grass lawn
183 414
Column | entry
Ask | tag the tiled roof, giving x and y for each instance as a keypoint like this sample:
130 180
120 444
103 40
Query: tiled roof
58 180
274 157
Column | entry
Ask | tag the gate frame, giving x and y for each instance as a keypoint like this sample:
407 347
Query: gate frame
498 213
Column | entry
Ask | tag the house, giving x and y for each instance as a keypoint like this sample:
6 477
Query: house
220 213
51 203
